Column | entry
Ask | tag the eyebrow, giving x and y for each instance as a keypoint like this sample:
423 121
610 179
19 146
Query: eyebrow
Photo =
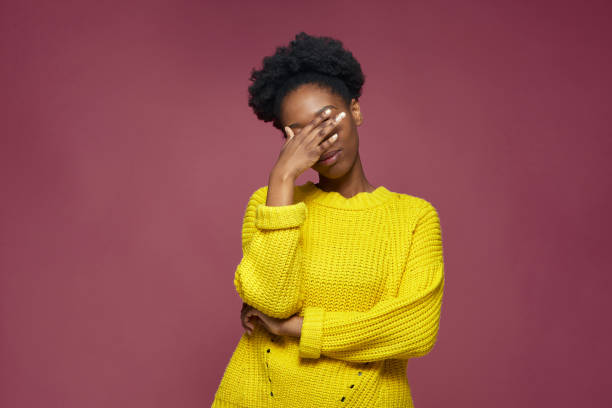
318 112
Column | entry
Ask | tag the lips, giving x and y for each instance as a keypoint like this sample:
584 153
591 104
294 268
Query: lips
329 154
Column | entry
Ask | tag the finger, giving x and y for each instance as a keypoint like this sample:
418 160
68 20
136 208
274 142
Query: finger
248 329
316 121
325 145
251 324
243 322
327 128
289 132
244 310
248 320
244 317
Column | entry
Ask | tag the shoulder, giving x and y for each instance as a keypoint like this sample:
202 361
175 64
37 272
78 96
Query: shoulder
415 203
417 209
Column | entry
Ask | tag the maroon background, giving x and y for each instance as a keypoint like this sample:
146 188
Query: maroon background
128 152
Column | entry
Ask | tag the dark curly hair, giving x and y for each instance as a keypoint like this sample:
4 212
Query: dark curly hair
307 59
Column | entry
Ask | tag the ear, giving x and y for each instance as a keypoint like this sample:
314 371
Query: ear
356 112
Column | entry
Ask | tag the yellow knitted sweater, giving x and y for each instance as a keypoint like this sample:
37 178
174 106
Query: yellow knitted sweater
367 275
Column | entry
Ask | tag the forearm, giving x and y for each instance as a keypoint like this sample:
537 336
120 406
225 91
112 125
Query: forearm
293 326
269 274
280 188
398 328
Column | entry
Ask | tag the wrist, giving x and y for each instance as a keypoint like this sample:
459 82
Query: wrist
278 175
293 326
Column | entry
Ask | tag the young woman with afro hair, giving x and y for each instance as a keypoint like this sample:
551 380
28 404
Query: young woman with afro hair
341 281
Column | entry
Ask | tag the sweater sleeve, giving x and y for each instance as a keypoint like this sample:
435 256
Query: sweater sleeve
268 276
402 327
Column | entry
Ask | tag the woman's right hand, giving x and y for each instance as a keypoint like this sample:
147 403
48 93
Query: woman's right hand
302 150
246 321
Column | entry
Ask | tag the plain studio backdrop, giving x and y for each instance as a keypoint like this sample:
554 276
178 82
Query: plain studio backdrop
128 153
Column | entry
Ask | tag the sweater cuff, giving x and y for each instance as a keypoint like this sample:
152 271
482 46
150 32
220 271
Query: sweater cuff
282 216
312 332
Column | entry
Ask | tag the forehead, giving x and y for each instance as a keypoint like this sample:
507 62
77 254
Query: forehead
302 105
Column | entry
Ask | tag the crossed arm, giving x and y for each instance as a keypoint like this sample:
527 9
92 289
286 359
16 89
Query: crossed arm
268 279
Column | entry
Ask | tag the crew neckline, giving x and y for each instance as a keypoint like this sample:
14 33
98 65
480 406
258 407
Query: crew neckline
361 200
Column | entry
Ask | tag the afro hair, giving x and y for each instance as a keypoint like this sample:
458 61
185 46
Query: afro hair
307 59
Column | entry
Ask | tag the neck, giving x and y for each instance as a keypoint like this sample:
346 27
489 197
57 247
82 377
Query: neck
353 182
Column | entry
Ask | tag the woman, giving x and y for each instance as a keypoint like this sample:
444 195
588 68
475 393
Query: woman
342 281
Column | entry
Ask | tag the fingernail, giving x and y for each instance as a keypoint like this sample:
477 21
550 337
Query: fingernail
327 111
333 137
340 116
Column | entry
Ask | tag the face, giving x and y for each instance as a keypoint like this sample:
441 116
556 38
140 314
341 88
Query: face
303 104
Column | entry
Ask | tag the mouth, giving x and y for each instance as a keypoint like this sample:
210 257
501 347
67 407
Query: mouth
329 157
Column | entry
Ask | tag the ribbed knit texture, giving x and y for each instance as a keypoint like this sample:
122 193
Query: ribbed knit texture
367 275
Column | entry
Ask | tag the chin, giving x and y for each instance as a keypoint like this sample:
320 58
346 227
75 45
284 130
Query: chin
332 172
